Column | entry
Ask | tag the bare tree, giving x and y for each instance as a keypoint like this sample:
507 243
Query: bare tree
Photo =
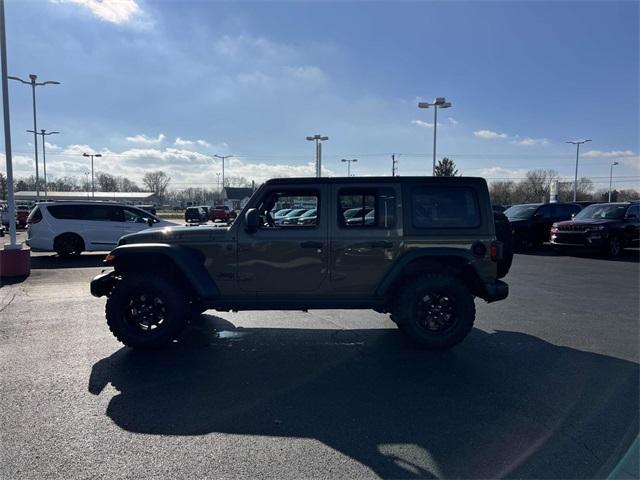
502 192
157 182
106 182
126 185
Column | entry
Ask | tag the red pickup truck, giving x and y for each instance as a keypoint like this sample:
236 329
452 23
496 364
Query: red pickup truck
223 213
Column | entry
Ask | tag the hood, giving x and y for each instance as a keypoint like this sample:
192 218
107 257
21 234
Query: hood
519 222
177 234
590 221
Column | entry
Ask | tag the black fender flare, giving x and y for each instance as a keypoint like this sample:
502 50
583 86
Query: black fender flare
432 253
187 261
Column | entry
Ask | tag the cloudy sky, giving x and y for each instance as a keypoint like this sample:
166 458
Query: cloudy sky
166 85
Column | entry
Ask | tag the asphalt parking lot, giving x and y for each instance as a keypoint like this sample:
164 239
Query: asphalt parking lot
546 386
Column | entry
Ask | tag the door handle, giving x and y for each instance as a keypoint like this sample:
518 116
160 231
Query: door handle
311 244
381 244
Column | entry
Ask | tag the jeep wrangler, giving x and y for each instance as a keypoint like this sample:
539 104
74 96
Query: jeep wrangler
419 248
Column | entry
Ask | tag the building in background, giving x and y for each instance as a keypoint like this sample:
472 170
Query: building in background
236 197
133 198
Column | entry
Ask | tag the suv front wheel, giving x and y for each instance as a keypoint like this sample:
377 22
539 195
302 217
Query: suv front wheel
145 310
436 311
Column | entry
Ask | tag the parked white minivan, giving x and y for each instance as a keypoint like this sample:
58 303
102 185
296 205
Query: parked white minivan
69 228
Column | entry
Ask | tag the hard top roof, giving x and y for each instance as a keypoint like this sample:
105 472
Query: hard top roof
361 180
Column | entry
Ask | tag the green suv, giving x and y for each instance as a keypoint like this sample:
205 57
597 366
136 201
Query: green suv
419 248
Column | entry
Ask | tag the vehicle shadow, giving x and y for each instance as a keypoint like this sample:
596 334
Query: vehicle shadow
501 404
53 261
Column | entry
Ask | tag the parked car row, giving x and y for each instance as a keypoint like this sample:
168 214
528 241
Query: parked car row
203 213
608 227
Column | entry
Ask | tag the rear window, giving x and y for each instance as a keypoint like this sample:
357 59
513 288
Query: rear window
35 216
444 207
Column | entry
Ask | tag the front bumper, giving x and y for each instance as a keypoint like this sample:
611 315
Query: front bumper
580 239
102 284
492 292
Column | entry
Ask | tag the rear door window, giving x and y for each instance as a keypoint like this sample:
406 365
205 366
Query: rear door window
64 212
367 208
444 207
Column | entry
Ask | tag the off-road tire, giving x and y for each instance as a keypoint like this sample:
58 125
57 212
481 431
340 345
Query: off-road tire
131 286
407 306
68 244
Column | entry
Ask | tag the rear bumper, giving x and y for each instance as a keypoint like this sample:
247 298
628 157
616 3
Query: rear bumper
102 284
492 292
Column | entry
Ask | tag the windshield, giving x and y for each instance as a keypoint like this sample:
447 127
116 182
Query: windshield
521 211
604 211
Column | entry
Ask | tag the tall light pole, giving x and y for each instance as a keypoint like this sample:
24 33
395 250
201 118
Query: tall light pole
439 102
43 132
35 84
93 187
223 158
318 139
611 178
577 143
349 164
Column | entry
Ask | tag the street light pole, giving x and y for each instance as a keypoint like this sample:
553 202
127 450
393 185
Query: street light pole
43 132
34 83
611 178
318 139
577 143
93 186
439 102
348 162
223 158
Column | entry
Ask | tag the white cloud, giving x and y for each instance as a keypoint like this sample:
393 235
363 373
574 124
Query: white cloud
52 146
610 154
180 142
530 142
422 124
145 139
626 157
489 134
243 47
501 173
78 150
114 11
309 73
452 121
183 142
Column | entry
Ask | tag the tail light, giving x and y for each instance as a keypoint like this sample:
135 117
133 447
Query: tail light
496 250
554 229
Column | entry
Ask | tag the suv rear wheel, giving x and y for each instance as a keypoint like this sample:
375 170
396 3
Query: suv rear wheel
435 311
145 310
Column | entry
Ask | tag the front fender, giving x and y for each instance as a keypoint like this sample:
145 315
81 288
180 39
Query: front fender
185 261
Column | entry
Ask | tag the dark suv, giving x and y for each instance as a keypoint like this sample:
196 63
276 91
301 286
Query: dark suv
530 222
609 227
429 249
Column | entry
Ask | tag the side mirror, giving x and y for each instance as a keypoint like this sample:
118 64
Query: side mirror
573 215
150 221
251 220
